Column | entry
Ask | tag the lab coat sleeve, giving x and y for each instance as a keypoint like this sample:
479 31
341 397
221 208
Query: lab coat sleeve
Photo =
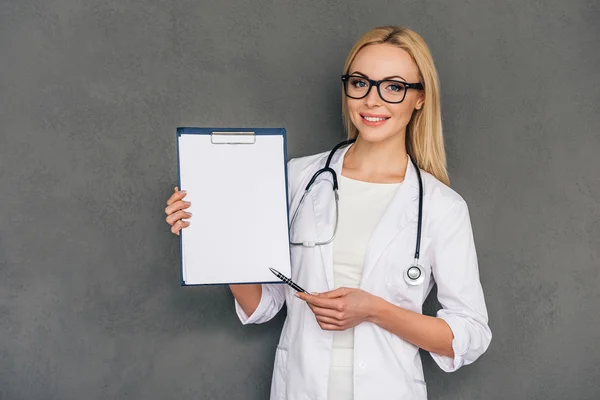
455 269
271 301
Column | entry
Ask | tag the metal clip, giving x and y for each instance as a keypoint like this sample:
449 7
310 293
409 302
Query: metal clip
233 137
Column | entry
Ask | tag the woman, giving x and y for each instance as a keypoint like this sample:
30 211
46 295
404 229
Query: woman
358 335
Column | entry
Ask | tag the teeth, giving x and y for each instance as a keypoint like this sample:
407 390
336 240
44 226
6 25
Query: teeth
373 119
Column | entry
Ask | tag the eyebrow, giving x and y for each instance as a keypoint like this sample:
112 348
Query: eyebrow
384 79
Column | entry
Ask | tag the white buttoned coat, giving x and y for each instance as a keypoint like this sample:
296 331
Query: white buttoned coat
385 366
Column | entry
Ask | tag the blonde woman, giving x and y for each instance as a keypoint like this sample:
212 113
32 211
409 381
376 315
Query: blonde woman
371 258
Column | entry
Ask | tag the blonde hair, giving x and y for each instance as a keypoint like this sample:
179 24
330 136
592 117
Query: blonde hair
424 139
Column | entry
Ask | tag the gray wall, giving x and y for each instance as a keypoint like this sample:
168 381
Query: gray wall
91 94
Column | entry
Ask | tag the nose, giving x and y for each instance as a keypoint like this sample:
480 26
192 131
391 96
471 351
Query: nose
373 99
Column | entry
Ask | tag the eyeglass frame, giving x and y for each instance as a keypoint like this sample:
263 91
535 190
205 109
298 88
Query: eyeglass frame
345 77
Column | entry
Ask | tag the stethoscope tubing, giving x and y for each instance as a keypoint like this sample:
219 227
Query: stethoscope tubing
414 274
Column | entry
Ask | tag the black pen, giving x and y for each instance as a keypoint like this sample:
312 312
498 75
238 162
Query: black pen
288 281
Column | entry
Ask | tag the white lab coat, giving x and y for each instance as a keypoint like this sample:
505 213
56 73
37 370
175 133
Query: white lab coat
385 366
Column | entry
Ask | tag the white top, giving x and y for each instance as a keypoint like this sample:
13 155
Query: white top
361 206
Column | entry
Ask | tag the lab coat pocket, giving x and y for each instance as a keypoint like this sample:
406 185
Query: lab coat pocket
279 382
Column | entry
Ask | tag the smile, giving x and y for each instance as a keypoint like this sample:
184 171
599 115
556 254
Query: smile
374 120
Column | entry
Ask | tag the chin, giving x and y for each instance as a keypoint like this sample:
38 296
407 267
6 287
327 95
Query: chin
375 135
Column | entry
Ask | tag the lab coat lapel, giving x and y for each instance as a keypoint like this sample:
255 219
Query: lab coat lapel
403 209
325 213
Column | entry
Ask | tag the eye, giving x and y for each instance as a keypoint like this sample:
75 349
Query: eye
358 83
395 87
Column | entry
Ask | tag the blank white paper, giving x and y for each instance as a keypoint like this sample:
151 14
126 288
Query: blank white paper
239 223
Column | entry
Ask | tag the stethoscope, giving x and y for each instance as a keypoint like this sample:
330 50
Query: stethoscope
413 275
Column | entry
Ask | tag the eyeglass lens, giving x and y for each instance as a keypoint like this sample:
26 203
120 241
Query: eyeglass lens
392 91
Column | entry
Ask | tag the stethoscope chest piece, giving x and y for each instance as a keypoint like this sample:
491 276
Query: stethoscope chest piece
414 275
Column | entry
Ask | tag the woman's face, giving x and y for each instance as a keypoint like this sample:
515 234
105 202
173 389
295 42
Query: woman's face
375 119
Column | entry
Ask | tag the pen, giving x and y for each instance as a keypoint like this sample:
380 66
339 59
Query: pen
288 281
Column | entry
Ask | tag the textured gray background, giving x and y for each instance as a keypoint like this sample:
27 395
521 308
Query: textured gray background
91 93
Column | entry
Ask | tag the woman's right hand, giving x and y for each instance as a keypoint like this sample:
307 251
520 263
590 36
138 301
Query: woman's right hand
175 211
248 296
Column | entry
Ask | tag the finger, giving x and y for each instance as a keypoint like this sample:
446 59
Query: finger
326 312
178 195
308 297
178 205
301 295
333 304
181 214
339 292
178 226
330 321
329 327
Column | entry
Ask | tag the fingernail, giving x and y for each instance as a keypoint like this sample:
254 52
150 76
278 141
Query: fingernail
297 295
183 191
187 203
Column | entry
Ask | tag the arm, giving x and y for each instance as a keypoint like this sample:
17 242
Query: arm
458 335
345 308
247 296
429 333
256 304
456 272
252 303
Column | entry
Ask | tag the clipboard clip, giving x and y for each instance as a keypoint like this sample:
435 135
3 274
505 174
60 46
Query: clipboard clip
232 137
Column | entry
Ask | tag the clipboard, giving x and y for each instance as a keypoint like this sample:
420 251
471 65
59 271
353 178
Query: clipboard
236 181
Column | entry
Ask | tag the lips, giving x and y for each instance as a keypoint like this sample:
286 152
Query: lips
373 119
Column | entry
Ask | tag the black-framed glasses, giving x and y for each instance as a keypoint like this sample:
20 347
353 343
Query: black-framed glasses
390 91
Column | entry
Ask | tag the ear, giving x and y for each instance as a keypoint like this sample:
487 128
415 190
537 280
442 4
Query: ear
420 100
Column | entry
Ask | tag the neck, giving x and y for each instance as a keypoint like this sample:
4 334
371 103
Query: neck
381 162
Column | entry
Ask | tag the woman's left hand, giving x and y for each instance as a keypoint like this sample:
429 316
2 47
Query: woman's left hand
340 309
